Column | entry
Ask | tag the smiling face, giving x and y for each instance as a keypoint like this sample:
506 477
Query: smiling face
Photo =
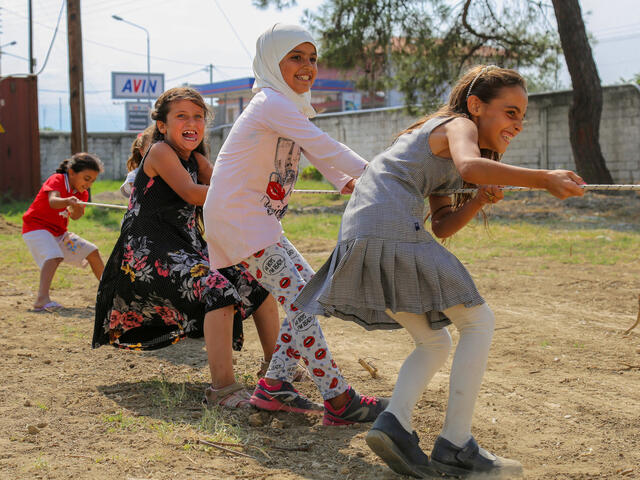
184 127
299 68
82 180
499 120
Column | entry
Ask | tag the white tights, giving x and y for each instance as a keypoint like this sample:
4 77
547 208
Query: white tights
475 325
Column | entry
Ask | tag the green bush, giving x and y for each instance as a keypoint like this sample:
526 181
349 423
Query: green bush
311 173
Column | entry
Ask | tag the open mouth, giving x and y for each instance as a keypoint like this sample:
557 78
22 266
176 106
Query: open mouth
190 135
304 78
507 137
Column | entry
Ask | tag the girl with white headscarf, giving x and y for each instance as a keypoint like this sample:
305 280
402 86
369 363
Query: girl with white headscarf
252 181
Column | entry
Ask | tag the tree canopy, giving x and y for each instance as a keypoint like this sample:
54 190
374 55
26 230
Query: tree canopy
421 47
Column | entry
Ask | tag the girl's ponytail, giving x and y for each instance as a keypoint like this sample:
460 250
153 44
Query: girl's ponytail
144 139
79 162
64 166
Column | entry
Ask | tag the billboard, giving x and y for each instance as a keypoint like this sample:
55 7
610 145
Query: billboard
137 115
136 86
351 101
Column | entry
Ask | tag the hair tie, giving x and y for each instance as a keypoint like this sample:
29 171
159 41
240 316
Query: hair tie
485 69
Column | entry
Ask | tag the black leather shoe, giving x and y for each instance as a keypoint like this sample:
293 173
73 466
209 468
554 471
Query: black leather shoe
471 461
398 448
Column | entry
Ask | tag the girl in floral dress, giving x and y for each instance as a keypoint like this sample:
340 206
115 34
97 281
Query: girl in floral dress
157 285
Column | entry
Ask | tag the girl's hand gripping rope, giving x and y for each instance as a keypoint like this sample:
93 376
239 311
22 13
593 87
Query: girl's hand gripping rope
348 188
489 194
564 183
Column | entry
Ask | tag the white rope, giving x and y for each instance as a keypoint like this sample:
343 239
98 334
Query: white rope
329 192
121 207
528 189
519 189
440 192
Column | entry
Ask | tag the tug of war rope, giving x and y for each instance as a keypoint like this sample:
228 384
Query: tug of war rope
592 187
440 192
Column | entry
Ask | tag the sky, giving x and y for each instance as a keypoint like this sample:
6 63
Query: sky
184 40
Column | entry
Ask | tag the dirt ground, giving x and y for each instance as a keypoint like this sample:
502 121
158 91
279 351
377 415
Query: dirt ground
561 393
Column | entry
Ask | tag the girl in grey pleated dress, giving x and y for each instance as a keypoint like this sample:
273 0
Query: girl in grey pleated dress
388 272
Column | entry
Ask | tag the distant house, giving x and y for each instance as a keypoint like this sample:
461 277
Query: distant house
330 93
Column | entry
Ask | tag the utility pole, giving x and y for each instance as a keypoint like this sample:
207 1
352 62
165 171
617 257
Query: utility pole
32 61
76 78
210 68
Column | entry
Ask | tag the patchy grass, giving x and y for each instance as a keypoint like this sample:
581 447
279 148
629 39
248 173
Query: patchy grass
302 200
321 226
100 186
474 243
139 415
594 246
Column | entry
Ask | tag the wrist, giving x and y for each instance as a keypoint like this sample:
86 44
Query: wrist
480 201
545 179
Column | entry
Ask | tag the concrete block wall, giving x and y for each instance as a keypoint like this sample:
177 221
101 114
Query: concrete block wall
366 132
112 148
543 143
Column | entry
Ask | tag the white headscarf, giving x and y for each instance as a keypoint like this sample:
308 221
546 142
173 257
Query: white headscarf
271 47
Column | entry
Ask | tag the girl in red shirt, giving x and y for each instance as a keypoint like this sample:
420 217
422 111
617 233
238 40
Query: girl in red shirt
44 224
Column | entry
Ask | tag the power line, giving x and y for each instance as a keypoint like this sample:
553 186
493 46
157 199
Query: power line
105 107
122 50
200 70
46 58
110 46
50 90
233 30
13 55
617 28
617 38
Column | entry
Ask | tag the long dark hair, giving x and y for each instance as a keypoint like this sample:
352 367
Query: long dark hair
163 104
79 162
485 82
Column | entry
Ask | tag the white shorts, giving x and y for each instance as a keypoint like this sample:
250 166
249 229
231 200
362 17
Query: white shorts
69 246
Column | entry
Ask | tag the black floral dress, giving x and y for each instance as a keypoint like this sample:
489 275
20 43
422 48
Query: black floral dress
157 286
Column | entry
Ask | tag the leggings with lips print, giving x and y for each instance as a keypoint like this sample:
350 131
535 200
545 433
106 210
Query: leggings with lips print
282 271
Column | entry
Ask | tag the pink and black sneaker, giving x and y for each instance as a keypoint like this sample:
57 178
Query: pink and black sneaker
283 398
361 409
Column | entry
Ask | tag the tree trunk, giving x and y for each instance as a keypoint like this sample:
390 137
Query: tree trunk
586 109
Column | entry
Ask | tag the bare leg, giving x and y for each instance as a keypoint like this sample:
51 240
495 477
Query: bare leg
47 272
96 264
218 336
267 324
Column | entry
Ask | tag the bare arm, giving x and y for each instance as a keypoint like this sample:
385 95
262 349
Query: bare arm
163 161
205 168
445 221
70 203
462 138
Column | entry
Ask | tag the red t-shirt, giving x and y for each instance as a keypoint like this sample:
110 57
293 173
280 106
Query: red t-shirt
40 215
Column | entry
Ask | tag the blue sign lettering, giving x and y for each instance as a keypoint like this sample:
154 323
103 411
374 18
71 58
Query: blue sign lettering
127 86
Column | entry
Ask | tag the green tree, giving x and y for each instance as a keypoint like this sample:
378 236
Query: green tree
420 47
586 107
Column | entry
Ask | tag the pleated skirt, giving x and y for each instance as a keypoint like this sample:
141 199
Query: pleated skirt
365 276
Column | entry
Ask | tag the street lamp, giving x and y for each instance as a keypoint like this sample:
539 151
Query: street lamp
6 45
120 19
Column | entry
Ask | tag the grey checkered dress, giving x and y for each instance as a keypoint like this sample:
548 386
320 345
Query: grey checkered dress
384 257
